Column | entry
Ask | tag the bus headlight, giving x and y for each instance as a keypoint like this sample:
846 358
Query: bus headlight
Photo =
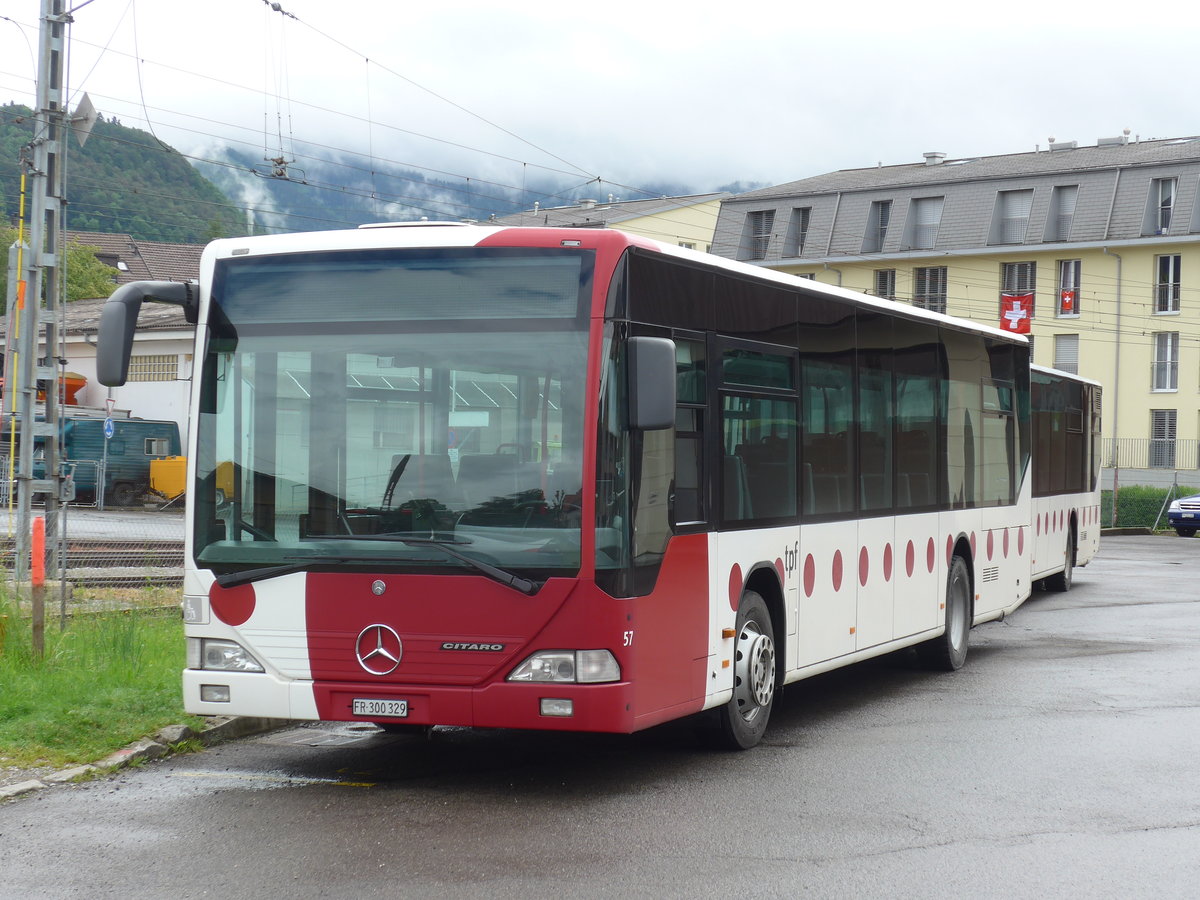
220 656
568 667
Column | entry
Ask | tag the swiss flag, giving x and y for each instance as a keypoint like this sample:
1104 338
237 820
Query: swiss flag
1015 312
1067 301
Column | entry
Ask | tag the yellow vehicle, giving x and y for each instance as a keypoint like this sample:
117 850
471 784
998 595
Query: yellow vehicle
168 476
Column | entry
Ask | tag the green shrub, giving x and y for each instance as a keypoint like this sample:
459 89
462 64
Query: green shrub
1139 506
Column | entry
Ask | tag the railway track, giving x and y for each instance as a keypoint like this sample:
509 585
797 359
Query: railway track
109 563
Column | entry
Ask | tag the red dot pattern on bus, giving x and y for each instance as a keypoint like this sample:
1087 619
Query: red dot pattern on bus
233 606
1050 521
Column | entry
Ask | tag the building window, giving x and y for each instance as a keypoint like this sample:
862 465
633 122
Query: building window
1166 285
1159 206
929 288
1068 286
1062 212
1165 368
1162 438
1018 280
164 367
924 217
1011 218
809 276
885 283
687 245
758 233
797 232
877 226
1066 353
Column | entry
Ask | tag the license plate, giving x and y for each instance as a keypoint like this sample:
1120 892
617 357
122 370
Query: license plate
1187 515
374 707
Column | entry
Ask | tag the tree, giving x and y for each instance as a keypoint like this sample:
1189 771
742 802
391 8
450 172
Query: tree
87 277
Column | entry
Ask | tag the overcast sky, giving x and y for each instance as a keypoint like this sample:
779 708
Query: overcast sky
631 91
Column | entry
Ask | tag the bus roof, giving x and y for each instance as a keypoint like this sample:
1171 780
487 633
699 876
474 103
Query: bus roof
415 235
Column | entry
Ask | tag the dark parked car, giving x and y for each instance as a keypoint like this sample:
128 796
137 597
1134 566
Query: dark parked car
1184 515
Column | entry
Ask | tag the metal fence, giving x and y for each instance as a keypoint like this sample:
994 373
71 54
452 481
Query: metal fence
1149 453
96 548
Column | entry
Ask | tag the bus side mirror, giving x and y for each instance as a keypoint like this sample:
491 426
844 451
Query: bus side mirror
118 321
651 383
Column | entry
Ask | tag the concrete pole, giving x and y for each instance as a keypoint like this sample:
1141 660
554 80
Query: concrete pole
43 278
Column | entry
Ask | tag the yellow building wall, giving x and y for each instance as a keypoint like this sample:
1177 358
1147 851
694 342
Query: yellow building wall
687 225
1116 320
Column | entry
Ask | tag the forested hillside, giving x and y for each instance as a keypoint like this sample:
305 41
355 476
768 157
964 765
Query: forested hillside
126 181
121 181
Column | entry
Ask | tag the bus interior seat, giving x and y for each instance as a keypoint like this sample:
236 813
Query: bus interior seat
486 475
770 479
426 477
873 492
735 489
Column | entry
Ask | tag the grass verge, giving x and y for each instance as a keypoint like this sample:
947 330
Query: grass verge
109 678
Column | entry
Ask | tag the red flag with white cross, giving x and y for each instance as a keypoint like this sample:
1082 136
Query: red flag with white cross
1015 312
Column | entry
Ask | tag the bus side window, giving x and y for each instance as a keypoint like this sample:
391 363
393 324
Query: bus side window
691 394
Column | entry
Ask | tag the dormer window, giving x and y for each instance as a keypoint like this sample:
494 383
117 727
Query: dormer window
757 236
877 226
797 232
1062 212
924 217
1159 206
1011 217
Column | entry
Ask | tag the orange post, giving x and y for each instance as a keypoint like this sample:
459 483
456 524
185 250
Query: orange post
37 553
37 582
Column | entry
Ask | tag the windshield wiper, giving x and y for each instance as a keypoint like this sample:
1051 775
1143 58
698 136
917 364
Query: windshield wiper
248 576
446 545
301 564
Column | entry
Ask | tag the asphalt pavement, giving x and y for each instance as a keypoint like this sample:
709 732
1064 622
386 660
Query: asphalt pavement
1060 762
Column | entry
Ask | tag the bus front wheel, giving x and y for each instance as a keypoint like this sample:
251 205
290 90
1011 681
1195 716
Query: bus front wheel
744 718
949 651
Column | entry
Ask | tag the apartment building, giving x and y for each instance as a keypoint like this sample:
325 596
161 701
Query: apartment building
1092 251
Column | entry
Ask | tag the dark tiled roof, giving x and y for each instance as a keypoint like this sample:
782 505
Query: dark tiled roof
1078 159
143 260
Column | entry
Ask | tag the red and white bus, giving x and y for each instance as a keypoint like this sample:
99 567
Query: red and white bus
1066 469
577 480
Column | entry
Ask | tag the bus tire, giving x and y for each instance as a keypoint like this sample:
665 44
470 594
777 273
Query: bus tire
948 652
743 720
1061 581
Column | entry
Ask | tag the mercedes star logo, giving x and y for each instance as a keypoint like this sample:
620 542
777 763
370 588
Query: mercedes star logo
379 649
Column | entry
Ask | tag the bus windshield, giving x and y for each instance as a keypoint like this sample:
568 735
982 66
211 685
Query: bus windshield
394 408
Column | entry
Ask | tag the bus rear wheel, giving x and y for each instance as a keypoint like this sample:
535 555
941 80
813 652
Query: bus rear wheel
1061 581
949 651
743 720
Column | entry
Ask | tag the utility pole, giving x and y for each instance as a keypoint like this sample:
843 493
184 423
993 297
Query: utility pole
42 279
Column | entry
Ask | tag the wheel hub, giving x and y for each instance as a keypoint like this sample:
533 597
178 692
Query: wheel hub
754 672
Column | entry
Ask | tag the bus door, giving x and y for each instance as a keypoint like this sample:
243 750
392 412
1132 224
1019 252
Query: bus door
757 469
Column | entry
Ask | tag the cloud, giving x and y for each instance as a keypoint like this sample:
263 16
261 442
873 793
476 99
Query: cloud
700 94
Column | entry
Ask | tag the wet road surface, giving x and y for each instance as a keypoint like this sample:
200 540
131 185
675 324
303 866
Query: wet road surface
1063 761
